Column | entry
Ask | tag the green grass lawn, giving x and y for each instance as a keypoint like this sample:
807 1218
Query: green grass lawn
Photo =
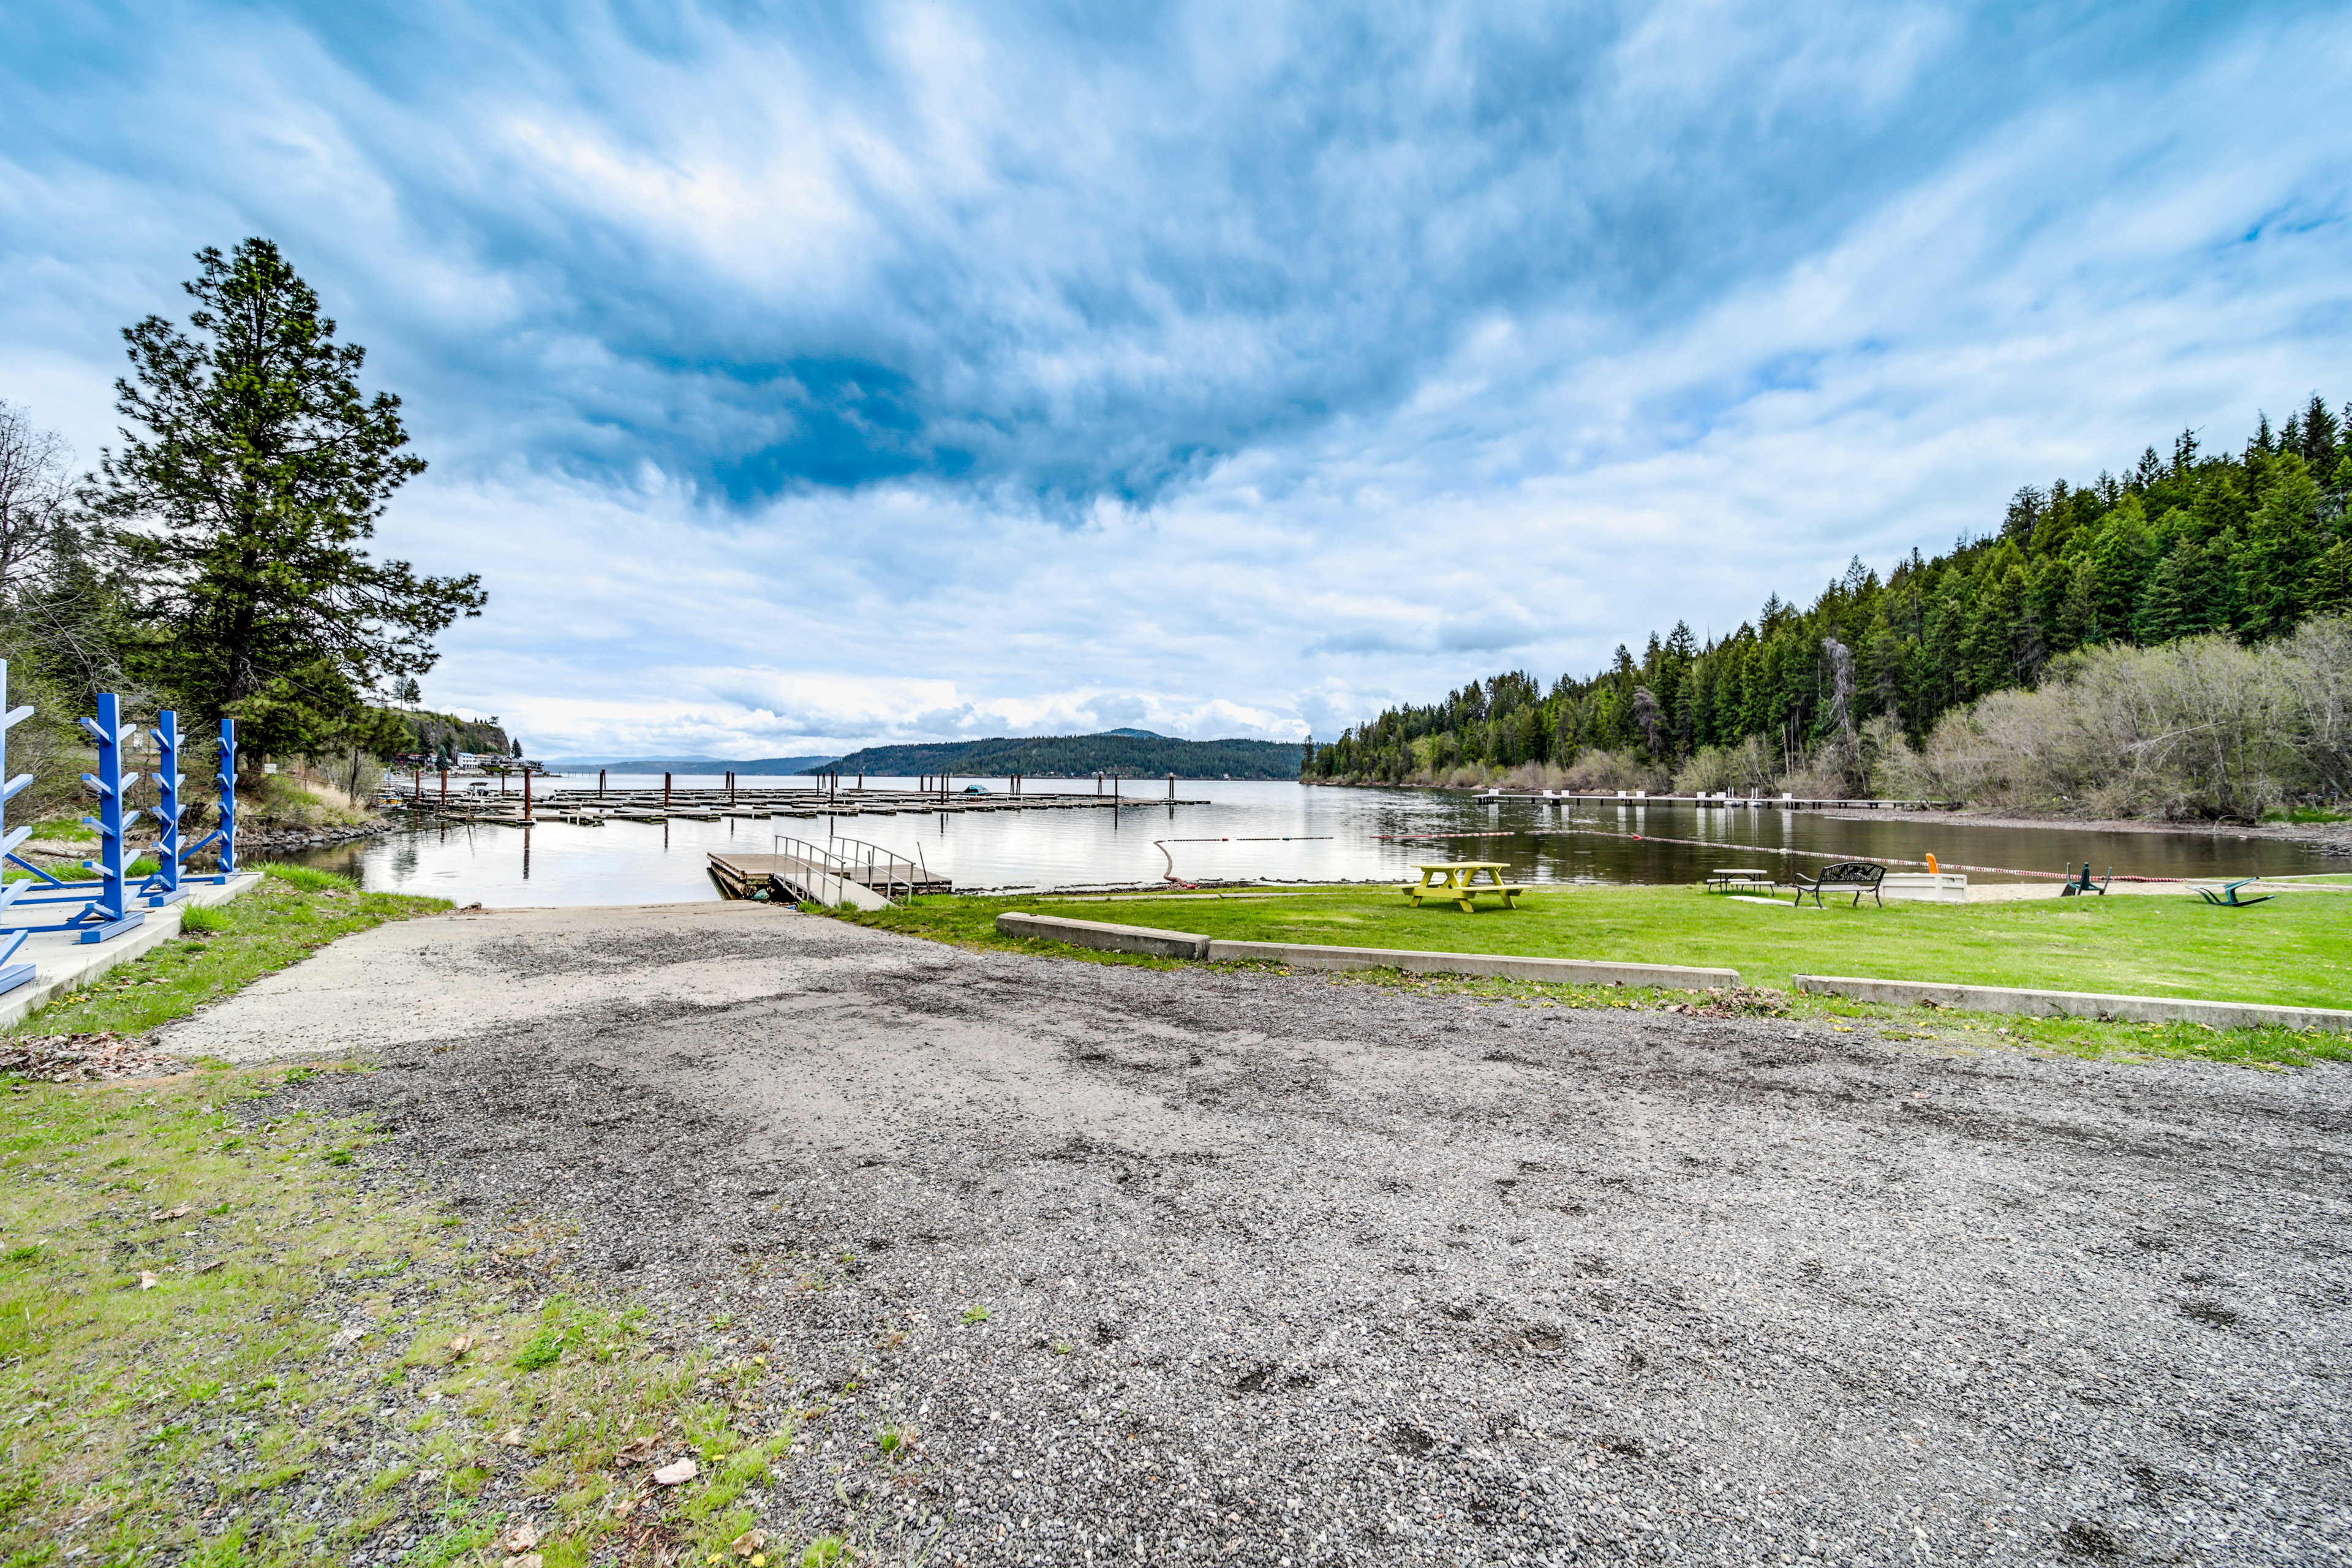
293 913
176 1388
2297 948
173 1272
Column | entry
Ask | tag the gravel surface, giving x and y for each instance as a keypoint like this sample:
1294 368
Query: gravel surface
1283 1269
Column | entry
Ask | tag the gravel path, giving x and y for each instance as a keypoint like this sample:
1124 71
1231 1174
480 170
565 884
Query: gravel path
1283 1270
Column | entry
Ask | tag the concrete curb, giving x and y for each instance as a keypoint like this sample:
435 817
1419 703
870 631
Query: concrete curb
1556 971
65 962
1144 940
2079 1003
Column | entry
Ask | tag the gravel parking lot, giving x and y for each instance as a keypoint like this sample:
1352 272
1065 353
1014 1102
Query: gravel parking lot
1282 1270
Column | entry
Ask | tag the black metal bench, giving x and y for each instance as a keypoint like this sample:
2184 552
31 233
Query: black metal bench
1862 875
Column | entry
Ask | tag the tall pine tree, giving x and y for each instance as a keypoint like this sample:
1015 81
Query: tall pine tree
253 467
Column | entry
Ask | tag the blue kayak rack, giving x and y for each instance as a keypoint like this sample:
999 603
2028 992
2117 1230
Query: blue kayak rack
163 887
105 912
12 975
221 840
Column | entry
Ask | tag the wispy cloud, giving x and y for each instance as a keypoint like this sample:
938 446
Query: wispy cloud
881 372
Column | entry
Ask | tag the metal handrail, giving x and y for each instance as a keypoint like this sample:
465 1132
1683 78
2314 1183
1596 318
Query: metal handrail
875 849
878 870
893 869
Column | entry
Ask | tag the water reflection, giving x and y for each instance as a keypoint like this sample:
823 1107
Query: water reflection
1367 834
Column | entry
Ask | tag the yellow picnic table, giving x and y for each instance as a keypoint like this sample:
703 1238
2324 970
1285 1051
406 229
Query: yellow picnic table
1456 882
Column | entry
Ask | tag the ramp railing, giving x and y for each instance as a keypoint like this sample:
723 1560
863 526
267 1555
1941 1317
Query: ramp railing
885 871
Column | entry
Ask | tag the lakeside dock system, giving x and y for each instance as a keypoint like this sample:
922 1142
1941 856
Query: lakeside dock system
840 870
522 806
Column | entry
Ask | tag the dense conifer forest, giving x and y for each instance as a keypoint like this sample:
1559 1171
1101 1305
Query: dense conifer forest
2246 545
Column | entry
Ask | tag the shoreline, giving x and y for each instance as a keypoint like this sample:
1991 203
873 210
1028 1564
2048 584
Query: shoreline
2335 838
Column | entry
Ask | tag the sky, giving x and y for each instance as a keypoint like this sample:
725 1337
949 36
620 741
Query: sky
801 378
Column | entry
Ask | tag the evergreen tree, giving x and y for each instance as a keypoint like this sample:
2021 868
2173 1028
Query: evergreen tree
2281 542
2123 554
2330 585
255 467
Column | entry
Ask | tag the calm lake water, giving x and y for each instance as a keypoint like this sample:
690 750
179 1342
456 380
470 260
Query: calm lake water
1333 835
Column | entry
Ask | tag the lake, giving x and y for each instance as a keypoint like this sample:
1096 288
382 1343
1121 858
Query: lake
1332 835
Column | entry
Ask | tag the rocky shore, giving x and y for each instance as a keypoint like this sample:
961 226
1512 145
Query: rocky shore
281 840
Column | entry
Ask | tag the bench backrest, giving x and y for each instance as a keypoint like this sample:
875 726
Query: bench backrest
1861 872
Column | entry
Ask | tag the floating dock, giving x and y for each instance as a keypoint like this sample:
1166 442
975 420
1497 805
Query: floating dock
812 874
589 806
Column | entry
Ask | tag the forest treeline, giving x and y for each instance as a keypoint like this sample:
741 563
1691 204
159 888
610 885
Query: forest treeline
1832 698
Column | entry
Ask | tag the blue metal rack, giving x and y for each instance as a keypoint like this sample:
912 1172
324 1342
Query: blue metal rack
222 839
12 975
106 912
163 887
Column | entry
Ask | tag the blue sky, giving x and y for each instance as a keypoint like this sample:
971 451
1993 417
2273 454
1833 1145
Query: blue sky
804 377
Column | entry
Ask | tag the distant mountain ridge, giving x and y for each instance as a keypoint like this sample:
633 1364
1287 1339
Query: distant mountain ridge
764 766
1124 754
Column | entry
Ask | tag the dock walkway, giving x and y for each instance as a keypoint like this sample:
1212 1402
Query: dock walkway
824 879
590 807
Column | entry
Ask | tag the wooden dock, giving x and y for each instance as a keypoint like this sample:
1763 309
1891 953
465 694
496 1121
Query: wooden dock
824 879
806 803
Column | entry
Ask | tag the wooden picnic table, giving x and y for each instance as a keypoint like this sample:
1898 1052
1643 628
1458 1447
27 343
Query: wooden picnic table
1456 882
1737 876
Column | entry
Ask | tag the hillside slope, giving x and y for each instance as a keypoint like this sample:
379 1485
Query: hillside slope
1083 756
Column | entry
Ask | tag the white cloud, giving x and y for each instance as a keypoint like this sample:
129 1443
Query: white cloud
1237 373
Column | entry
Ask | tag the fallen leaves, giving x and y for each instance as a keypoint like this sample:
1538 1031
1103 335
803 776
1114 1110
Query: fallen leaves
461 1345
1735 1002
147 1280
521 1538
750 1542
677 1473
511 1438
158 1215
635 1452
71 1058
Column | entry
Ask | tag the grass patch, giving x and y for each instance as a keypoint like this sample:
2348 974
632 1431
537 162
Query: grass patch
74 871
2295 950
221 950
2307 814
308 879
218 1346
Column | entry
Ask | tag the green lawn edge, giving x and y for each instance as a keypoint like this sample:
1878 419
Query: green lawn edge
2295 950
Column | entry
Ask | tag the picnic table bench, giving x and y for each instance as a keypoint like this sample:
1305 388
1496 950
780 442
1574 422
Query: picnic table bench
1731 876
1862 875
1456 882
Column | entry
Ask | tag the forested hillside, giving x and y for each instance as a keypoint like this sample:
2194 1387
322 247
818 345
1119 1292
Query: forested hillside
437 735
2247 543
1131 755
